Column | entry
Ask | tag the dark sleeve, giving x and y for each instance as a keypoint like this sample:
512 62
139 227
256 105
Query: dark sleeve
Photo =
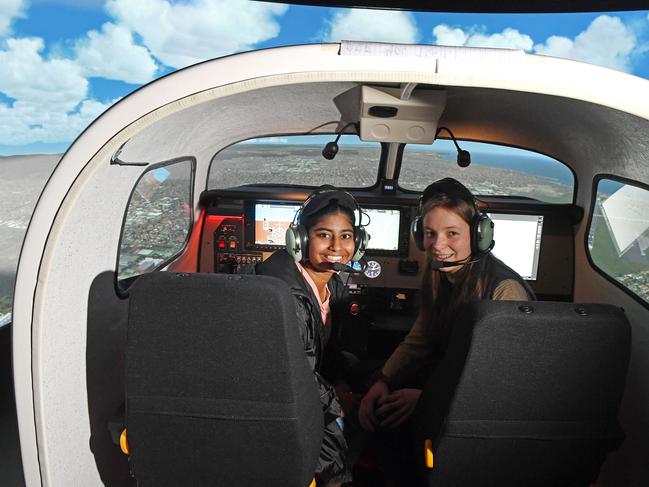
337 361
310 340
332 462
307 332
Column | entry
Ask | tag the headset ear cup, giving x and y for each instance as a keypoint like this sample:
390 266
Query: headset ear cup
484 233
417 232
361 239
297 241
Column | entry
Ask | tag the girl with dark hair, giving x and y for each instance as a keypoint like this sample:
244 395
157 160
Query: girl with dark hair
325 236
449 228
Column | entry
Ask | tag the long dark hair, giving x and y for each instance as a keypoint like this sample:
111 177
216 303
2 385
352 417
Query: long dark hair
439 299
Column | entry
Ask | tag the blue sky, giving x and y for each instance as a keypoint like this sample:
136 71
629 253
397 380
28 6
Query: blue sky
63 62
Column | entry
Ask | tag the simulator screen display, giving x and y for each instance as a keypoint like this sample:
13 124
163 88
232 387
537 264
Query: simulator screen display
518 242
271 222
383 228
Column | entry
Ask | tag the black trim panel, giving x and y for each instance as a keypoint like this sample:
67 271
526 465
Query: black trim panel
488 6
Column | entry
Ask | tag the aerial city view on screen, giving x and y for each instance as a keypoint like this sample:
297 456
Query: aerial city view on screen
619 235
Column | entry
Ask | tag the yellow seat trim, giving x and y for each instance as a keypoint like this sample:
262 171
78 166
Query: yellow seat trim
428 452
123 442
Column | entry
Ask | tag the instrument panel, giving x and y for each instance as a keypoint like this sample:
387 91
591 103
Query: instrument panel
245 225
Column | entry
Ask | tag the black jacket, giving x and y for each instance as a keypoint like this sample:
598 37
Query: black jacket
332 464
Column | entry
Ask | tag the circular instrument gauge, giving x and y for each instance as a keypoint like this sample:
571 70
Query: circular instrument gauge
373 269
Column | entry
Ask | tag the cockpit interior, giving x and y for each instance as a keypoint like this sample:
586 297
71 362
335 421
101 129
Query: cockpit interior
201 173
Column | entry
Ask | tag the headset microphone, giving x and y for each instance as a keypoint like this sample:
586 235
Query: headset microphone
441 264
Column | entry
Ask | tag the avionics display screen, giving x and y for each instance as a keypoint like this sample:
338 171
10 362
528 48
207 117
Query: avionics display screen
383 228
271 222
272 219
518 242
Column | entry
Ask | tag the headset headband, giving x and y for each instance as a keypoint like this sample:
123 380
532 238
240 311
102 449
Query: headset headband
297 238
451 188
481 226
322 197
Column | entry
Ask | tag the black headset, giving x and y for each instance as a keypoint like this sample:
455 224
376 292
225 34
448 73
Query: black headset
297 236
481 227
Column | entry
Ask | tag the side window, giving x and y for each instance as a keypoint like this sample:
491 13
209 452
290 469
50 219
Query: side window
158 219
618 237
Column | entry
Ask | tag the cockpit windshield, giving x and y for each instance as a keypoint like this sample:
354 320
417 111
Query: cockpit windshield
296 159
494 170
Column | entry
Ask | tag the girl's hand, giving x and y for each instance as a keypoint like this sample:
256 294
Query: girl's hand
397 407
373 399
349 400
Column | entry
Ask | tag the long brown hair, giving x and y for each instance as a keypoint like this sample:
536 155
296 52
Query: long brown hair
439 299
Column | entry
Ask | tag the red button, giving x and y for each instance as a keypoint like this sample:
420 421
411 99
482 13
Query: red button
354 309
221 244
233 244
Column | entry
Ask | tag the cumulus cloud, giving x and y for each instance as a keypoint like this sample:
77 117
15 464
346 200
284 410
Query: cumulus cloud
49 96
186 33
476 37
26 76
112 54
371 25
448 36
607 42
23 124
9 10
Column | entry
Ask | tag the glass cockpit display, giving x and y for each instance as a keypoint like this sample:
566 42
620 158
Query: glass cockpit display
271 222
518 242
271 219
383 228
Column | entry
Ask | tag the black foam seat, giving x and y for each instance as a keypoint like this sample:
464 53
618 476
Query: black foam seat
218 388
527 395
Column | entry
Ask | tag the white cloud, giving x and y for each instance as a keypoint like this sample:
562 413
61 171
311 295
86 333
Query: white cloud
475 37
371 25
49 96
112 54
186 33
607 42
25 124
9 10
447 36
26 76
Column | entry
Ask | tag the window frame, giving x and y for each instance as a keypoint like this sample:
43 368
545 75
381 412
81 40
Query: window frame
379 172
123 292
619 179
575 186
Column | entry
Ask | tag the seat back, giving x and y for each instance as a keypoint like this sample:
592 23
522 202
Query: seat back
218 388
527 394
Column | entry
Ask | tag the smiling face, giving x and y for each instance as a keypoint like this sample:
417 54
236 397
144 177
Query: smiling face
447 237
331 240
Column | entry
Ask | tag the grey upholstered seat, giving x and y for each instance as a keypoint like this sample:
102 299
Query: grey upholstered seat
527 395
218 389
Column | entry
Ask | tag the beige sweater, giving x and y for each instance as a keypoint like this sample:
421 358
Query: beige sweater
413 350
